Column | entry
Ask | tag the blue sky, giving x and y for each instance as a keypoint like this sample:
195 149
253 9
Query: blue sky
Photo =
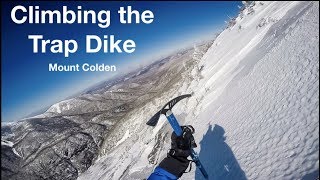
28 86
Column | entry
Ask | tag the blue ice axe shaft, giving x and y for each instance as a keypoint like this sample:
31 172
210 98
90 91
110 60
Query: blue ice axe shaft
177 129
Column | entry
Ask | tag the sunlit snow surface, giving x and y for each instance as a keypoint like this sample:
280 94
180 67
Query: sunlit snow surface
255 108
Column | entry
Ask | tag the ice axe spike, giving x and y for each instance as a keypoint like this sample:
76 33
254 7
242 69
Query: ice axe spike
166 110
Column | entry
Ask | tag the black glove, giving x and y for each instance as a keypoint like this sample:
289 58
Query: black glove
181 145
177 161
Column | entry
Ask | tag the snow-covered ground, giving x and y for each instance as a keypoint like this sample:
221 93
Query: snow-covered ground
9 144
255 105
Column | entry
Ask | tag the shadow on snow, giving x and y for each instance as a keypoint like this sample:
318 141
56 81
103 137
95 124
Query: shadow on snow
217 157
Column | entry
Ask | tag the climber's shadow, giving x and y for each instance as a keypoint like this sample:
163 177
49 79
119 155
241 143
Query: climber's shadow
217 157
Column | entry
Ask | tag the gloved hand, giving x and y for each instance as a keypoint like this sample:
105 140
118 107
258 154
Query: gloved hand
177 161
181 145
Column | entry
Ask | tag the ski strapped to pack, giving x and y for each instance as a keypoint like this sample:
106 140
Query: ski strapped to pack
166 110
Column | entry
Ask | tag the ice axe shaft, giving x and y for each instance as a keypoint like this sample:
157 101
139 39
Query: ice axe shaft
166 110
174 123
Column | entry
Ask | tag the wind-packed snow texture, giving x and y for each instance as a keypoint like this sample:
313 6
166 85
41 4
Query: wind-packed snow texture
255 105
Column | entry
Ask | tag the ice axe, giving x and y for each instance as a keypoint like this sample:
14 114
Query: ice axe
166 110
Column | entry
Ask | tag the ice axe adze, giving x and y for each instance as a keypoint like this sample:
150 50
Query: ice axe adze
166 110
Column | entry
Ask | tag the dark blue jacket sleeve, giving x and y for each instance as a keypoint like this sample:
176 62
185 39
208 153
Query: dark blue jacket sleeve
161 174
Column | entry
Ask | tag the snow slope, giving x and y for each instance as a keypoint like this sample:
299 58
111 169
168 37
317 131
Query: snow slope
255 106
265 95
